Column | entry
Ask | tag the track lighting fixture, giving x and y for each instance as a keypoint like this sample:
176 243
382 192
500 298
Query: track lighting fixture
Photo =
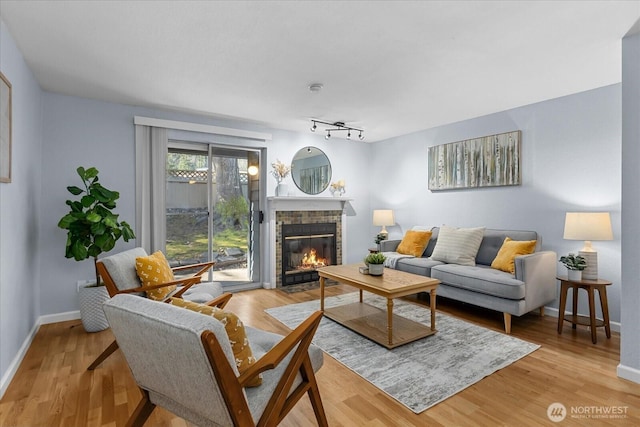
336 127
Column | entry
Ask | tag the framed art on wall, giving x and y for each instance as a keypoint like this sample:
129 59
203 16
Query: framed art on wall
5 129
489 161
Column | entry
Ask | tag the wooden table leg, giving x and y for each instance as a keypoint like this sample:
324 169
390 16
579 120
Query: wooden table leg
321 293
574 292
432 304
563 303
390 320
602 292
592 315
360 295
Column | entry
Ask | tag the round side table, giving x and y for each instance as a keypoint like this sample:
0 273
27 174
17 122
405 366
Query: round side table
575 319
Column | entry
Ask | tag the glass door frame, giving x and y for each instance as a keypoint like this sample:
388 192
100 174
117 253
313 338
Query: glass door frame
208 148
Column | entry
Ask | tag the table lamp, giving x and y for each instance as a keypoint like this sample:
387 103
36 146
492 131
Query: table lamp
383 217
588 226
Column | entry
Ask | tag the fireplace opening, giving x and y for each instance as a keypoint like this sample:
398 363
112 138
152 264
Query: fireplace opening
306 247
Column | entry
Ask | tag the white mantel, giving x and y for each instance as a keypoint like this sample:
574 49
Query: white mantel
276 204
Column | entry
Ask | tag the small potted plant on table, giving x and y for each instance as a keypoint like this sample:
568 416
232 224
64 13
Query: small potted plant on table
375 262
575 264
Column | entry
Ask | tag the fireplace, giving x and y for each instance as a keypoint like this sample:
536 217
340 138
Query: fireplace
284 211
306 247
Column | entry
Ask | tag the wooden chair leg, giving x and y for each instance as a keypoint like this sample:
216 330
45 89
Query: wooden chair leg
142 411
314 395
106 353
507 323
542 311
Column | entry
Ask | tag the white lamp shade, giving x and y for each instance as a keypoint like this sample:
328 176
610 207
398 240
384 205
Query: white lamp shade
383 217
588 226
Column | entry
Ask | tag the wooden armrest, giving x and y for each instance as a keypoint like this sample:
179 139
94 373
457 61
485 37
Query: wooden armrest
274 356
204 266
220 301
186 283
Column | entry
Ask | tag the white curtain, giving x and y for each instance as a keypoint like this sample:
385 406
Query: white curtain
151 154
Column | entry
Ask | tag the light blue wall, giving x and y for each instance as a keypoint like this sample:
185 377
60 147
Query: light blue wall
20 205
570 162
630 343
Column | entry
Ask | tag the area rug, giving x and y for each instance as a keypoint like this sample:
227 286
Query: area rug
418 374
302 287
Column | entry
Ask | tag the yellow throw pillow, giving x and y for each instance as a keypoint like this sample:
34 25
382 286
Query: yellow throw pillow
153 270
414 243
235 330
509 251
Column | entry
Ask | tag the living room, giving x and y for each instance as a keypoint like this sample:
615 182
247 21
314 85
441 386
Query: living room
578 154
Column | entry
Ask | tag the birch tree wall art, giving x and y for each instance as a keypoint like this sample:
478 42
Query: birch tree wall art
490 161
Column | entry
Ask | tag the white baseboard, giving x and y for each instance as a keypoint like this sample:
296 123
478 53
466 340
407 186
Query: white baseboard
15 363
628 373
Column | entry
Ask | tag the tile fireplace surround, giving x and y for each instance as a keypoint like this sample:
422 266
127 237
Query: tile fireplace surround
301 210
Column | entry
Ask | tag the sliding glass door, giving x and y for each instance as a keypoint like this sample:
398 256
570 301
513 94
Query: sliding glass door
212 210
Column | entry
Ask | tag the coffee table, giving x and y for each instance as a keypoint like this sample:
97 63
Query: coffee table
380 326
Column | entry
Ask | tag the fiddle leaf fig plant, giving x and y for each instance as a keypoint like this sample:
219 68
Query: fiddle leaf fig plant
92 227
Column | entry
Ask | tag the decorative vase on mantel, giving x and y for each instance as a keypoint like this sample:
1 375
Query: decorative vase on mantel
282 190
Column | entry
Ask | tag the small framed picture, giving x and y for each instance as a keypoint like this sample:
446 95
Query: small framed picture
5 129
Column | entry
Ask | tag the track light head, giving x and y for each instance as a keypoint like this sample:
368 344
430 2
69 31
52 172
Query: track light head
361 137
314 127
328 135
349 134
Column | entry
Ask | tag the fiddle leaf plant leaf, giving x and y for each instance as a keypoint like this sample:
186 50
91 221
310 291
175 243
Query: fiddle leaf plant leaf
92 226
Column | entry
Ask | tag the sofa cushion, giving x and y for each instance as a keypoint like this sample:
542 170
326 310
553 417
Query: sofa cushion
481 279
509 251
493 239
458 245
235 331
414 242
421 266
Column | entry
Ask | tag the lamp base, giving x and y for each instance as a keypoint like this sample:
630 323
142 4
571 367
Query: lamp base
591 272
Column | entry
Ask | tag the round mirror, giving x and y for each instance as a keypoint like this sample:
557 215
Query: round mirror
311 170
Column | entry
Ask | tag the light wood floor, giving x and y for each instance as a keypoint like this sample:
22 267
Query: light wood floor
53 388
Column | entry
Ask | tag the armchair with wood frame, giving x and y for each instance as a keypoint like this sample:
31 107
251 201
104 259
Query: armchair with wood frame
187 366
119 275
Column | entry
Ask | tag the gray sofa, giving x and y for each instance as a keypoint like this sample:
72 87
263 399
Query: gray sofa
531 287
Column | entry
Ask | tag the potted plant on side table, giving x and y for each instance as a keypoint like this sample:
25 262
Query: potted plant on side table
92 228
375 263
575 264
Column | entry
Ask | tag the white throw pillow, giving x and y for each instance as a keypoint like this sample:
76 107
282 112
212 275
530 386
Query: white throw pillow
458 245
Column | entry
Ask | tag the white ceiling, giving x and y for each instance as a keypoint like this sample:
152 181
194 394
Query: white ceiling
390 67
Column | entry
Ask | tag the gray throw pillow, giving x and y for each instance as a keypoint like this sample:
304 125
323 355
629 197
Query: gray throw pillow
458 245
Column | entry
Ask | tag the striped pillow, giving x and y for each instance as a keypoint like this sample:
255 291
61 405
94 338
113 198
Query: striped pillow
458 245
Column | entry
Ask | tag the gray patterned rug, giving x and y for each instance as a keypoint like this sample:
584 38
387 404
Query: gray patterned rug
419 374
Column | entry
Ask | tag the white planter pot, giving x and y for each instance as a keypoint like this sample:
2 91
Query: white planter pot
575 275
90 299
376 269
282 190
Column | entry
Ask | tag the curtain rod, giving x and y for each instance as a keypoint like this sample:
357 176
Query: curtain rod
196 127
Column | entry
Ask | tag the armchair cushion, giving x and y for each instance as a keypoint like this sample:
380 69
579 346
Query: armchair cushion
154 270
235 330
